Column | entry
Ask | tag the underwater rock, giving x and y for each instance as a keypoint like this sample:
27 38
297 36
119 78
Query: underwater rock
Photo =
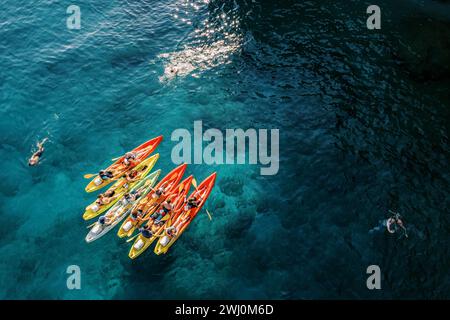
232 187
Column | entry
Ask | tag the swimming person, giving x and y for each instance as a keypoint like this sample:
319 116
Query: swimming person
34 160
393 224
173 71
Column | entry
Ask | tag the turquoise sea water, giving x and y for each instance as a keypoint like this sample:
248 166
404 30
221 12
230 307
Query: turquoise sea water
363 119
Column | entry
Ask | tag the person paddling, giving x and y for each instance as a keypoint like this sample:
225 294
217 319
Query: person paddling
191 203
148 232
159 192
34 160
106 198
129 159
166 208
131 196
106 174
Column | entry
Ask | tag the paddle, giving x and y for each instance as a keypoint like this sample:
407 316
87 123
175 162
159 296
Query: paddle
91 225
165 218
209 214
132 238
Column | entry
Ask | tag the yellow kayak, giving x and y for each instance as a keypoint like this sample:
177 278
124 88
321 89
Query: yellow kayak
142 243
119 211
182 221
120 188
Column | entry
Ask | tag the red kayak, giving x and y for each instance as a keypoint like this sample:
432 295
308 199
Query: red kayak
177 197
118 168
185 217
150 202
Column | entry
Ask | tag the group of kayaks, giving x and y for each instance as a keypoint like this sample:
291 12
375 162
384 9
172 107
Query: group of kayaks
149 210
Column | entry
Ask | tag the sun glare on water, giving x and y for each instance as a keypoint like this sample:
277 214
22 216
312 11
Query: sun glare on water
211 43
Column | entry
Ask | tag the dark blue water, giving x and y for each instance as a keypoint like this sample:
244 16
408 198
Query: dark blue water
363 118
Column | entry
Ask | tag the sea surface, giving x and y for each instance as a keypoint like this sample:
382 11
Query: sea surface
363 117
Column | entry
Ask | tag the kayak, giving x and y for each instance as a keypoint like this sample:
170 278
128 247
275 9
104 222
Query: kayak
120 188
185 217
122 207
178 198
149 203
119 168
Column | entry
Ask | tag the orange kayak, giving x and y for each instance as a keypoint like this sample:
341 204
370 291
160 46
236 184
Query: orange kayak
118 168
185 217
150 203
178 199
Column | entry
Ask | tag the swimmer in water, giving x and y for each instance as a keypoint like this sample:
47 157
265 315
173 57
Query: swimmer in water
173 71
34 160
393 224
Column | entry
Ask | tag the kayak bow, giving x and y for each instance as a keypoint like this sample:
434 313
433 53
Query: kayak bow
120 188
122 207
142 152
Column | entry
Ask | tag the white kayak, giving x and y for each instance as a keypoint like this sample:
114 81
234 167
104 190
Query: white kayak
121 208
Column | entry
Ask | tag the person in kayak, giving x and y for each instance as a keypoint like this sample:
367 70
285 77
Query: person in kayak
172 231
104 220
166 208
191 203
129 159
146 231
137 214
131 196
102 199
110 216
149 231
106 198
132 175
159 192
34 160
105 174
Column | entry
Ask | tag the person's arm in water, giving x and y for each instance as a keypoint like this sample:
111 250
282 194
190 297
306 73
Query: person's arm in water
401 225
37 155
41 144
